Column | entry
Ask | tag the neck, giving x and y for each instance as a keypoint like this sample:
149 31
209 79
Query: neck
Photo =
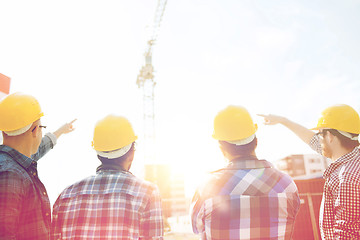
111 166
115 164
338 153
19 144
242 157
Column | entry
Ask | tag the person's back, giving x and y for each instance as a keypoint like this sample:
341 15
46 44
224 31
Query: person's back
114 204
249 199
110 205
24 205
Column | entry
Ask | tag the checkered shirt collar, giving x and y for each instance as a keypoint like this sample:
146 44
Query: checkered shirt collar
340 161
248 164
20 158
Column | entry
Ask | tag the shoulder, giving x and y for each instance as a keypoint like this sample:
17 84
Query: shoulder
354 159
352 163
284 181
212 182
81 186
10 167
351 170
136 184
13 178
109 184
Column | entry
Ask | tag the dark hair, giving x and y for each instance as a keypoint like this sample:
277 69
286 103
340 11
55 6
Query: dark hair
241 150
119 159
344 141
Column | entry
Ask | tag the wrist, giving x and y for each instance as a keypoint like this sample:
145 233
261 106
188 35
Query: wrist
284 121
57 133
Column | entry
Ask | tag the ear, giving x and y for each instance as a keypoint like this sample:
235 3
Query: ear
128 162
331 137
223 151
221 148
130 158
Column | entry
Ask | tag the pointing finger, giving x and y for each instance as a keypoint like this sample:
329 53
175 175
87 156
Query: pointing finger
73 121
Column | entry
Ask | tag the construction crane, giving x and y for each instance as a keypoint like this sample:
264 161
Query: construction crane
145 80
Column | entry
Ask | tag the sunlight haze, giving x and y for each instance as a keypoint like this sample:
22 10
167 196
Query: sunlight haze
80 59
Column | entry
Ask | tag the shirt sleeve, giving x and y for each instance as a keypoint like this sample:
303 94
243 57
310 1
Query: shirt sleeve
47 143
315 144
151 223
11 196
196 213
55 223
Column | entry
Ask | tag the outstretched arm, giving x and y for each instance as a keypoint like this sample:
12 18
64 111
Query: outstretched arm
302 132
197 214
50 139
66 128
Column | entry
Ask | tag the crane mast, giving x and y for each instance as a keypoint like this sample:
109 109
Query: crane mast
145 80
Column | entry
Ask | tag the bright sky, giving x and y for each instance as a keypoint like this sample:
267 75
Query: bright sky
80 58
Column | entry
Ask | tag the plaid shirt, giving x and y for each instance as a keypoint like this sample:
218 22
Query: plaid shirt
24 203
340 207
111 205
247 200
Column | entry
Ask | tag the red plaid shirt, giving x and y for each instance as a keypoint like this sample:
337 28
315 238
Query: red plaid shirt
340 207
111 205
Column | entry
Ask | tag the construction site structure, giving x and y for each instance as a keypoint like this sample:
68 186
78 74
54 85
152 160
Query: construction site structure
4 91
145 80
4 85
307 220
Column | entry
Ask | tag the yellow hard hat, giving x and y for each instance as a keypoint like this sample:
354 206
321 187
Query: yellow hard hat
233 123
340 117
18 110
112 132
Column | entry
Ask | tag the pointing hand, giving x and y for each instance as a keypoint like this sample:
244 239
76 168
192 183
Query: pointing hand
271 119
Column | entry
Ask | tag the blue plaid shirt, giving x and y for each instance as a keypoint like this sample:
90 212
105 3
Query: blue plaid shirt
247 200
24 203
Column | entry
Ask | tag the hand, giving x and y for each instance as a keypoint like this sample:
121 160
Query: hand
66 128
272 119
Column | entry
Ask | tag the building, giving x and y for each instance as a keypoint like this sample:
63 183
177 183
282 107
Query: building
303 164
306 169
4 91
160 175
179 204
172 189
